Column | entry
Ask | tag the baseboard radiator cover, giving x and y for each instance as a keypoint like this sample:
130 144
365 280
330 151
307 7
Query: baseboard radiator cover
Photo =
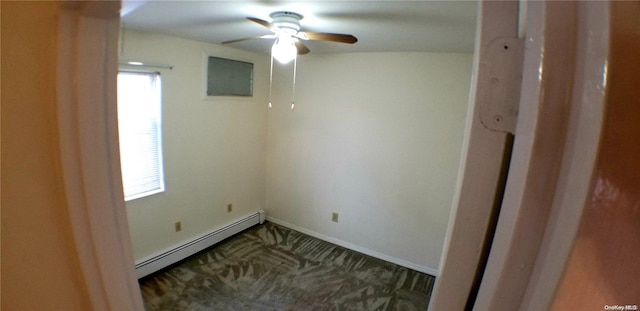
172 255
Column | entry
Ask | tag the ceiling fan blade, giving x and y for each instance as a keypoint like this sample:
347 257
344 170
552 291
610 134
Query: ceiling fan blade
251 38
325 36
261 22
302 49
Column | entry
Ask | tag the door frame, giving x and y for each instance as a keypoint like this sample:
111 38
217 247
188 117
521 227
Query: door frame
87 65
482 166
561 111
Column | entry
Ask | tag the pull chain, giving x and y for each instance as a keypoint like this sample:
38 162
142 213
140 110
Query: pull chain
293 93
270 81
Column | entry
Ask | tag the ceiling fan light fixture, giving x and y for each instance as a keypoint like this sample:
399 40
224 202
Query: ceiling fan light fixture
286 21
284 49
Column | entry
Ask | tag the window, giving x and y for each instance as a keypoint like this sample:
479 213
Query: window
139 125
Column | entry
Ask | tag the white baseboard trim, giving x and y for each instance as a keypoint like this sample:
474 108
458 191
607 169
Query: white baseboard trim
183 250
356 248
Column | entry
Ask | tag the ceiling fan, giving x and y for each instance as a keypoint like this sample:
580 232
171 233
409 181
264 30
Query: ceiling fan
286 30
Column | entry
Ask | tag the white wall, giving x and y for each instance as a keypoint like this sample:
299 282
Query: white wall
375 137
213 150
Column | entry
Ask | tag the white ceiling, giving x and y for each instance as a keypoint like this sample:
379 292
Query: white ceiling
380 26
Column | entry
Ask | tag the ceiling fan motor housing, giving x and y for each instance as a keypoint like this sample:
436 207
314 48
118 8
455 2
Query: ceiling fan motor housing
287 22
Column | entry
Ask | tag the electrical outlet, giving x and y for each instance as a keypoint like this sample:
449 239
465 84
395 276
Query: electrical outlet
178 226
229 208
334 217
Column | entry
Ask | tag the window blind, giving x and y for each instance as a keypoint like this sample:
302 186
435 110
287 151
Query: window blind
139 125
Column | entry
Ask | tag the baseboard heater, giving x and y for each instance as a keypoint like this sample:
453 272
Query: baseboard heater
163 259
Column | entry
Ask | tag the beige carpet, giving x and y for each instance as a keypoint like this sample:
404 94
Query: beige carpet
270 267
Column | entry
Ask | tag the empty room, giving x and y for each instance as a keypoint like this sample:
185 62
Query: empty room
334 155
353 143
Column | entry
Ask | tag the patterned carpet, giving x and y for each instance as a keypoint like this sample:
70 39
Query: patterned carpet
270 267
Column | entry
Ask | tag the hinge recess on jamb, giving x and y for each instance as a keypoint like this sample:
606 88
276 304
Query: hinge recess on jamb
501 94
